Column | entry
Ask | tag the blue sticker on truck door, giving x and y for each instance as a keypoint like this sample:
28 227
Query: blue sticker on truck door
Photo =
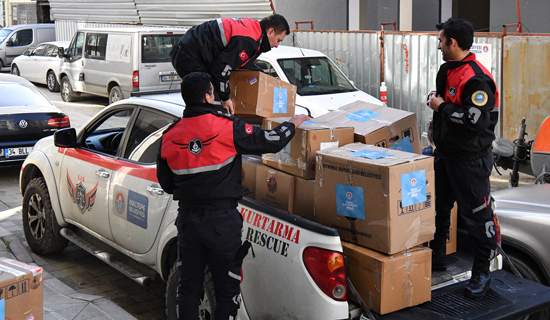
350 201
280 100
413 188
137 209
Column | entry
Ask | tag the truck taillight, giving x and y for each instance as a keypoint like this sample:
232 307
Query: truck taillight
328 270
135 79
59 122
497 229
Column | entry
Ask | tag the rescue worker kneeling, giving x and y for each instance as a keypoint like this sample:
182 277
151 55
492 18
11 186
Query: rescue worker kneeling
199 162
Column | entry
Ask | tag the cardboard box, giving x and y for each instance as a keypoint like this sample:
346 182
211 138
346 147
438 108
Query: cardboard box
256 93
298 157
275 188
248 173
390 283
378 125
385 204
304 192
21 290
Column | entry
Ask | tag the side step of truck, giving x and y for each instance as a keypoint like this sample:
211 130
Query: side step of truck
509 297
106 257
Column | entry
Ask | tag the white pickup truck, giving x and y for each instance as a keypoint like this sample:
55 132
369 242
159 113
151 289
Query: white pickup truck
97 187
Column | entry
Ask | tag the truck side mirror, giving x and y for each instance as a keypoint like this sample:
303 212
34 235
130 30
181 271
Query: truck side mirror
61 52
65 138
9 43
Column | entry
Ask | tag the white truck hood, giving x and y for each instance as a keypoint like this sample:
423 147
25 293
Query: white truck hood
321 104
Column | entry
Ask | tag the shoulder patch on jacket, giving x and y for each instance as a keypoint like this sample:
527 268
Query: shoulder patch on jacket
243 56
248 129
480 98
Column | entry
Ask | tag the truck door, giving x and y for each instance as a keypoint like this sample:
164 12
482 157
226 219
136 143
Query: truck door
17 43
137 203
87 169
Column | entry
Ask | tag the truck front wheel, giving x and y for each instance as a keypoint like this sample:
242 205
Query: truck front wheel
39 223
208 304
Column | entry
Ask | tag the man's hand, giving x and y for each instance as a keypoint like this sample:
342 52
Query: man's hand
229 106
298 119
435 101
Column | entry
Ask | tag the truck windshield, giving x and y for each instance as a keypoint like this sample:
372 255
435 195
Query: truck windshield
4 33
315 75
157 47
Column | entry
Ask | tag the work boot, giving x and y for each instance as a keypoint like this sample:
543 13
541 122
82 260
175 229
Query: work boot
480 280
439 256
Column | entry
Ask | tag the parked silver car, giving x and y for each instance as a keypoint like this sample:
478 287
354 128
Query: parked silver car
524 216
41 64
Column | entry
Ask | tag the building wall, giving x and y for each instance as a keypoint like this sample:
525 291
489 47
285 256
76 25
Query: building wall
8 9
378 12
425 14
326 15
534 15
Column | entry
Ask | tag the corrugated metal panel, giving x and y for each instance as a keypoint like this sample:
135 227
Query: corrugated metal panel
65 30
357 54
120 11
157 13
526 83
411 62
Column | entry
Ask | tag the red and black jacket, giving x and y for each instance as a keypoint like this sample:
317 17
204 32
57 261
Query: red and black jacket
199 161
464 124
219 46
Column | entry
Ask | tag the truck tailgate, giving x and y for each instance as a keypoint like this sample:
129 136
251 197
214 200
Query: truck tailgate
509 297
276 283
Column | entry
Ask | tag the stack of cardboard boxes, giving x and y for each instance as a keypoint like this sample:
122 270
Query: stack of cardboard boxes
379 197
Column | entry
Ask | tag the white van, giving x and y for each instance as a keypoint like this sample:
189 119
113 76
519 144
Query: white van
114 62
16 39
322 87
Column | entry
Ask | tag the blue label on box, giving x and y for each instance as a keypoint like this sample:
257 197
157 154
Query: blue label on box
279 100
413 188
403 145
138 207
371 154
2 309
350 201
362 115
310 122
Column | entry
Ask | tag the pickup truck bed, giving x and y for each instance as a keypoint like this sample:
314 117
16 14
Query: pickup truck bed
510 297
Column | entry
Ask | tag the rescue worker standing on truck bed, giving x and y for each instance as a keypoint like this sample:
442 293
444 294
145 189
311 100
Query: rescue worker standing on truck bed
463 129
226 44
199 163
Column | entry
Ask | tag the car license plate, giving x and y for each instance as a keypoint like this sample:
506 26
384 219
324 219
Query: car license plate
174 77
22 151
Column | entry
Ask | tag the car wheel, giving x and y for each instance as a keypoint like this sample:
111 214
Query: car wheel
51 80
67 93
14 70
115 94
39 223
529 271
208 304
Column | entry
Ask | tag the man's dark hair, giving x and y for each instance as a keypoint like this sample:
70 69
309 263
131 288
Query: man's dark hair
277 22
460 30
194 86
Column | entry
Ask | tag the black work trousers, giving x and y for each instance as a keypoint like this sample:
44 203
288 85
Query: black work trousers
468 184
210 237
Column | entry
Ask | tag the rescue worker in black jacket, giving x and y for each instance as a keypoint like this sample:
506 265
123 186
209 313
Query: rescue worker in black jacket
199 162
464 120
226 44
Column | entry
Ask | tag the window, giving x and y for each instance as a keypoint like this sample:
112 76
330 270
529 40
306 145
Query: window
157 47
96 45
314 76
39 50
51 50
106 135
21 38
267 68
75 49
144 138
